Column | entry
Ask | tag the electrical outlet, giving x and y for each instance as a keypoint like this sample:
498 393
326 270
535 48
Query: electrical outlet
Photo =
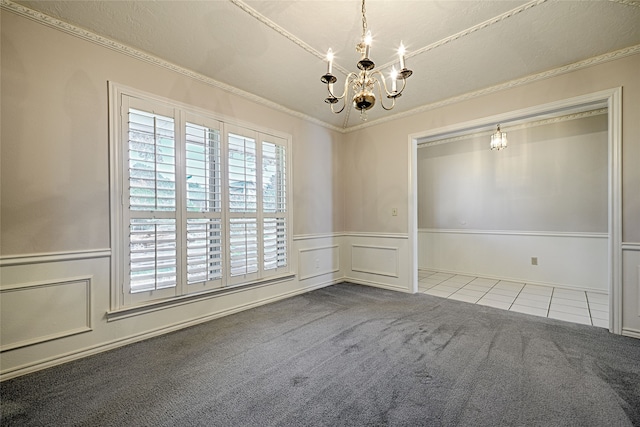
534 260
317 263
394 211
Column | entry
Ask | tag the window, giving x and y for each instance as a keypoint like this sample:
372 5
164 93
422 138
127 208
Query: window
201 204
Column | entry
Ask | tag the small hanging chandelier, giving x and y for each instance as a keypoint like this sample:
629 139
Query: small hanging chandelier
498 140
364 82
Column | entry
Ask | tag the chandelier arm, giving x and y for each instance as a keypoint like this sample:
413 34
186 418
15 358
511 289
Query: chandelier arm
347 81
393 98
380 78
344 104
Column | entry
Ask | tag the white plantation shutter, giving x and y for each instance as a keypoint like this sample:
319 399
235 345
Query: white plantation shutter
151 213
204 232
243 205
274 204
204 250
275 243
152 245
152 162
198 204
243 246
243 174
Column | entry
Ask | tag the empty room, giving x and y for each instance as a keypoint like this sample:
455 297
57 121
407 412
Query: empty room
320 213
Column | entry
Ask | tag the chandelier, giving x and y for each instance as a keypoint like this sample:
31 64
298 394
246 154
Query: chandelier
498 140
364 82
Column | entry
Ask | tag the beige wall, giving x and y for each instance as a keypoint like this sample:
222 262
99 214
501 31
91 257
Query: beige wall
551 177
55 183
368 190
54 194
369 183
55 255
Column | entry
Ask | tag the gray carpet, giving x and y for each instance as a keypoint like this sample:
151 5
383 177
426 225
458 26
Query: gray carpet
347 355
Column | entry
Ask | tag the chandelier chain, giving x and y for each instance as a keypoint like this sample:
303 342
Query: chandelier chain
364 21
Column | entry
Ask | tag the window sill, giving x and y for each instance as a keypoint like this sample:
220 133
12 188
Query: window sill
126 312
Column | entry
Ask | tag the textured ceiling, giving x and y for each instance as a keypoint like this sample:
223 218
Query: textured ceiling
276 49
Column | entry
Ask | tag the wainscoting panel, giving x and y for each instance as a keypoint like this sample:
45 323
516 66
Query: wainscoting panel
379 260
36 312
319 261
631 289
571 260
55 306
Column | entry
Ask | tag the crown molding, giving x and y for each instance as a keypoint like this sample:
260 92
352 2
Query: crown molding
526 125
489 22
146 57
610 56
627 2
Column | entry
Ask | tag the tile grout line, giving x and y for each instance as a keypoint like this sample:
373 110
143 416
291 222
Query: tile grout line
485 293
553 289
588 307
519 292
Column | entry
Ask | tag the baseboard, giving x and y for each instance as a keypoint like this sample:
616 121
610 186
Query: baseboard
121 342
376 284
633 333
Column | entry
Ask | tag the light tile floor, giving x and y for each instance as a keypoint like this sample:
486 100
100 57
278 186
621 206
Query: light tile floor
589 308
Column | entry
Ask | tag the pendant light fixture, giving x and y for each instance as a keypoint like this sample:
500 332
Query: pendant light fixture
364 82
498 140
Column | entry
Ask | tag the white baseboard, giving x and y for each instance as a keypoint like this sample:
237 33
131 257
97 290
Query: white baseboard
376 284
633 333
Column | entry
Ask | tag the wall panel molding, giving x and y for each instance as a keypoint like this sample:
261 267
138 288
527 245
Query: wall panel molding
299 237
627 246
377 235
37 258
314 262
514 233
378 260
51 309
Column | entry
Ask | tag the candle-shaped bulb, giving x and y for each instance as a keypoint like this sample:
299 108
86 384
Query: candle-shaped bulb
401 52
367 44
329 60
394 77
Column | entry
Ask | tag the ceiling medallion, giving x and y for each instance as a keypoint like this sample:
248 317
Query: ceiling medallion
363 83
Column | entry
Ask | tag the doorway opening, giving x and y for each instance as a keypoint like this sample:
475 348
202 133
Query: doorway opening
454 229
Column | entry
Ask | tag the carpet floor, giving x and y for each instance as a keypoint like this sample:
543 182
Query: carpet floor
347 355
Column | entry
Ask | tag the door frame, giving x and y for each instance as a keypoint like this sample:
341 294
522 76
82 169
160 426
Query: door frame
612 100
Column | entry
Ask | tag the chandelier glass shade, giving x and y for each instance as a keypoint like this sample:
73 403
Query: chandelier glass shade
498 140
361 86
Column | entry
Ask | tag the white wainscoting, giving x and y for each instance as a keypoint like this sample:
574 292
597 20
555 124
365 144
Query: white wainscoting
54 306
320 261
572 260
380 260
31 313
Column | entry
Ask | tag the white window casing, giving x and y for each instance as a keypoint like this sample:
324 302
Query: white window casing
198 202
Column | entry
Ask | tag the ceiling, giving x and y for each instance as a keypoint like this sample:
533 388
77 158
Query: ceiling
276 49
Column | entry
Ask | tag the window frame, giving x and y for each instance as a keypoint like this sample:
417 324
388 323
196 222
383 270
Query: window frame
121 98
